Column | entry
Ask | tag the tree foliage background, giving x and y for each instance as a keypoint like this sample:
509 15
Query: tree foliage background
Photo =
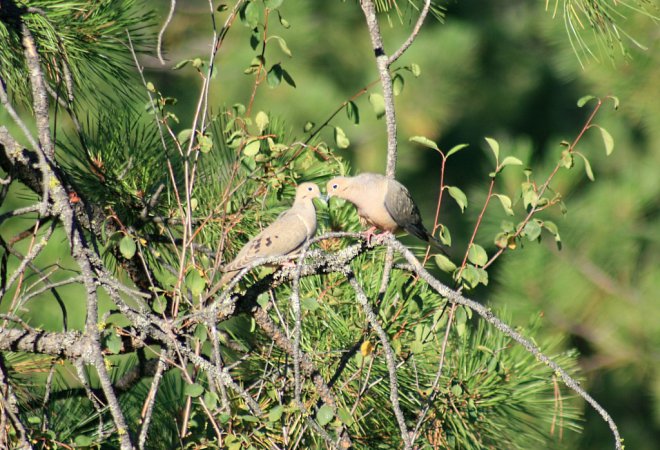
124 195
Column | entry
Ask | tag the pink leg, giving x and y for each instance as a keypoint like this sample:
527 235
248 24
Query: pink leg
369 234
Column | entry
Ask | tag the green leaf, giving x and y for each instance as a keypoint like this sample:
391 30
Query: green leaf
495 147
274 77
210 400
426 142
477 255
530 198
151 87
273 4
459 196
239 109
341 139
583 100
113 343
615 100
506 203
397 84
345 416
309 304
553 229
378 104
353 112
607 140
566 159
532 230
587 167
415 69
252 147
456 149
195 282
471 275
308 126
252 14
263 300
205 143
324 415
83 441
261 119
127 247
287 77
445 236
193 390
275 413
159 304
184 135
444 263
285 23
456 390
511 161
282 43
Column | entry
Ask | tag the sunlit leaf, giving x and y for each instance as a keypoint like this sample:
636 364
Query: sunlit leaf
261 119
426 142
397 84
341 139
607 140
506 203
459 196
583 100
456 149
494 146
477 255
378 104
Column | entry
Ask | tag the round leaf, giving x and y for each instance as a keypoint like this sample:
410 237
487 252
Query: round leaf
127 247
252 147
324 415
193 390
477 255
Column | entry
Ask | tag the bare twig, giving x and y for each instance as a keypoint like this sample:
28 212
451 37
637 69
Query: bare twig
389 357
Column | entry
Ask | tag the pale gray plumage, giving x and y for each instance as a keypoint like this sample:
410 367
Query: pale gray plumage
383 203
284 236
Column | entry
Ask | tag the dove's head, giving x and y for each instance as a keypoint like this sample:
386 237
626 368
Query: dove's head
341 187
307 191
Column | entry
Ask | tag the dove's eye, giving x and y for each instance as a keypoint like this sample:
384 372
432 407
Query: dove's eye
309 189
335 186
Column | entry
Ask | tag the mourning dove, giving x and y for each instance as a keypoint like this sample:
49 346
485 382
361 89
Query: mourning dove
282 237
383 203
